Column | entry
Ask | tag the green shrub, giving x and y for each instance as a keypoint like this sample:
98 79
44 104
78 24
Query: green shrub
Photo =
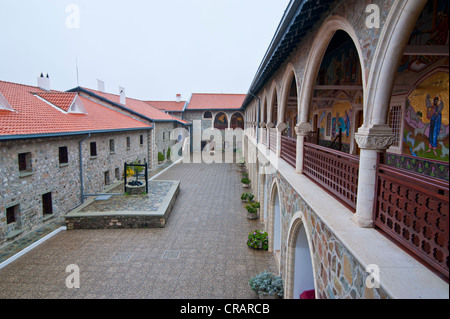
245 181
266 283
160 157
247 196
168 153
257 239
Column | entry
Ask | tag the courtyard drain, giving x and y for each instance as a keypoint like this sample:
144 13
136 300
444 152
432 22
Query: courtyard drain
170 254
121 257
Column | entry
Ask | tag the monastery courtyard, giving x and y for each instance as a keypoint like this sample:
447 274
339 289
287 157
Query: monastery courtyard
201 252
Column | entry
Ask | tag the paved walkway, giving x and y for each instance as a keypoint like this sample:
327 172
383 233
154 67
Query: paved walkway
201 253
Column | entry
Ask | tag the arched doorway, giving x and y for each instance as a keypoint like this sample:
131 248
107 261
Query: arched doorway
300 275
275 223
221 121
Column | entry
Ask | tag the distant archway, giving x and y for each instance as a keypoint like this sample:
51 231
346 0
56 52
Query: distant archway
237 121
221 121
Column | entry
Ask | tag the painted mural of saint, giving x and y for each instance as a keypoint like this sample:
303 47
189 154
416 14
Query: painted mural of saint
434 114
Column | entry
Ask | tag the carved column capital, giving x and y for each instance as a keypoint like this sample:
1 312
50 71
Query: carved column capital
378 137
281 127
270 125
303 129
262 125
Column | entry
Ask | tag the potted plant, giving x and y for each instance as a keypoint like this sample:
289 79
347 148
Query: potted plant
160 158
168 153
245 182
247 197
258 240
267 285
241 163
252 212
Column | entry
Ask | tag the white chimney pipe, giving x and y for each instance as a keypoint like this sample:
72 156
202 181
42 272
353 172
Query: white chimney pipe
122 95
178 98
43 82
101 85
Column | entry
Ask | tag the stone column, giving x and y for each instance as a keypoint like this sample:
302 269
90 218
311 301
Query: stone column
371 141
280 128
301 130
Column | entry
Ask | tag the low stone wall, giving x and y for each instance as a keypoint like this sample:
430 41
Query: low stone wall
124 219
114 222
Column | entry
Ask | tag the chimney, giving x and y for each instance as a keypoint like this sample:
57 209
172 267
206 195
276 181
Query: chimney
122 95
178 98
43 82
101 85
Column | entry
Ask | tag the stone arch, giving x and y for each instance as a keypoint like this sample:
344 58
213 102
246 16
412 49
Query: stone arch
275 222
391 45
288 76
300 272
264 107
315 58
272 101
237 120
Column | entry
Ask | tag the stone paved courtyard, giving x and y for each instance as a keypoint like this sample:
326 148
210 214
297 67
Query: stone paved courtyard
201 253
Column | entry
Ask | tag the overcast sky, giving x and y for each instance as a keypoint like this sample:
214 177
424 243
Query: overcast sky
154 49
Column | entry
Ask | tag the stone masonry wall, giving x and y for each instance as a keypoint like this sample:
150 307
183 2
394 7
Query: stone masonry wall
63 181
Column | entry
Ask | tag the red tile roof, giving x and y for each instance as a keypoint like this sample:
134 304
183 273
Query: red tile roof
208 101
32 115
170 106
138 106
63 100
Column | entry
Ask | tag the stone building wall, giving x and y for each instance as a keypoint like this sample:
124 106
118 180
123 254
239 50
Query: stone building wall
163 141
62 180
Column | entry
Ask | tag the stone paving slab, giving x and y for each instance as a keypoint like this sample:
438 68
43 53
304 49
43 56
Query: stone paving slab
207 228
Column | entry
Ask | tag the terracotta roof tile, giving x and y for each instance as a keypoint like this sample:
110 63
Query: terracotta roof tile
63 100
209 101
139 106
32 115
170 106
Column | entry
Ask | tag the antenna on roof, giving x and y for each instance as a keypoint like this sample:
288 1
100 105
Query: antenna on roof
76 65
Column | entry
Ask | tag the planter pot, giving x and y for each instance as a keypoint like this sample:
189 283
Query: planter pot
244 200
252 216
245 185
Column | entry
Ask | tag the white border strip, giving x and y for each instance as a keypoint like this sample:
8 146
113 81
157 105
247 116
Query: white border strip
153 177
35 244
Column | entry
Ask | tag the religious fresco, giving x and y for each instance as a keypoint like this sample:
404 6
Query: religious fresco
426 132
341 120
431 29
237 121
221 121
341 67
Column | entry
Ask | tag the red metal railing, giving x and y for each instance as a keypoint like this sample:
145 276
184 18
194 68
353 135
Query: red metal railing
335 171
413 210
289 149
273 140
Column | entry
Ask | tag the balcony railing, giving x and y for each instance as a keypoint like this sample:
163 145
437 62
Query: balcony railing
263 136
335 171
413 209
289 149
